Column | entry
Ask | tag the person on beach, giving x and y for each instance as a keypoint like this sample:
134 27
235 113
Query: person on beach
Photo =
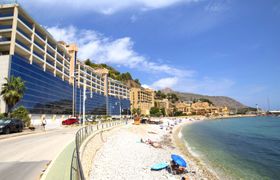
152 143
176 169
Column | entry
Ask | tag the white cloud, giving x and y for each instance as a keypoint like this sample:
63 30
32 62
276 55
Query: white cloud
120 52
168 82
106 6
146 86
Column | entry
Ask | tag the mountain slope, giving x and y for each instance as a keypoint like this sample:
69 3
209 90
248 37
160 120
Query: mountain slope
217 100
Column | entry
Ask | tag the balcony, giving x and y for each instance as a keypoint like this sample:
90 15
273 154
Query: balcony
39 55
52 46
60 53
51 54
2 27
5 15
40 35
66 72
5 39
59 68
24 34
23 45
59 61
39 46
28 24
50 62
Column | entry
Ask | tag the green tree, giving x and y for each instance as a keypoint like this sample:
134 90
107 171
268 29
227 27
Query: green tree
23 114
172 97
137 81
159 95
178 113
2 115
206 100
136 111
125 76
12 91
163 111
156 112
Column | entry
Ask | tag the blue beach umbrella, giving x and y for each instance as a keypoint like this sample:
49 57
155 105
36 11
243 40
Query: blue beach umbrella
179 160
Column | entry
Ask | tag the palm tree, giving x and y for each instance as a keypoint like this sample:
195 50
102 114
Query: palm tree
12 91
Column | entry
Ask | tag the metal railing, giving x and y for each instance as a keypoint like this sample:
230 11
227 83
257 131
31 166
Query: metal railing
77 172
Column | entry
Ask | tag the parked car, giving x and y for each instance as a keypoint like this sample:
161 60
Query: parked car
70 121
10 125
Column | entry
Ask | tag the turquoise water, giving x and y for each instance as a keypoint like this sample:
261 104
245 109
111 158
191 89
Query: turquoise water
238 148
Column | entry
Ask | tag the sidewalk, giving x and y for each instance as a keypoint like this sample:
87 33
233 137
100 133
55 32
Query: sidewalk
38 130
60 167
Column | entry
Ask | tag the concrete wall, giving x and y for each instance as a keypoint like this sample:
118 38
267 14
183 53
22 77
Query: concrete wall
53 121
93 143
4 72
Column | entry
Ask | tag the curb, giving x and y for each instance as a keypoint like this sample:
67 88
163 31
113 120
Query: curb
19 134
50 165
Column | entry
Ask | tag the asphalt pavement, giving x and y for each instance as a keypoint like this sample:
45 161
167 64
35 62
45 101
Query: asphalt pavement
25 157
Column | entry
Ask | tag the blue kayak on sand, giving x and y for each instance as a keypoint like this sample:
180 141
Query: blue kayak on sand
159 166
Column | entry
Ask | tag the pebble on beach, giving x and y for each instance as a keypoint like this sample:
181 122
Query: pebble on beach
124 156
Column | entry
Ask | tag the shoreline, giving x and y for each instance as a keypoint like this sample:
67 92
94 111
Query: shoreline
195 162
204 169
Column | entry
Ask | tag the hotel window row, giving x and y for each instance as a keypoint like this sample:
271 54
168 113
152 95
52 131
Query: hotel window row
118 89
86 76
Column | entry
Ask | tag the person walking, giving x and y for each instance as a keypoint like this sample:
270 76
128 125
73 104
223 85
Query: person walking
44 123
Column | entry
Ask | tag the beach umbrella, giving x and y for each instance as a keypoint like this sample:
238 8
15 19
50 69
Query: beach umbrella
179 160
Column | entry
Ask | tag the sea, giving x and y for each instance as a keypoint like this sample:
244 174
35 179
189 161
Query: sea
237 148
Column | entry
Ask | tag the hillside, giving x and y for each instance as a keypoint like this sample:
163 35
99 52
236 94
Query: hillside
217 100
126 78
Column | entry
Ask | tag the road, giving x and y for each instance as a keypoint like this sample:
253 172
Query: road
25 157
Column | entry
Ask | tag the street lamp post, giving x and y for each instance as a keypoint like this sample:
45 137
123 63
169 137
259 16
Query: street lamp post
73 97
120 107
84 104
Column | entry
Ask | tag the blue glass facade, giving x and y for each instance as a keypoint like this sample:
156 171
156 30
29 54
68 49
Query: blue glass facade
114 106
46 94
95 104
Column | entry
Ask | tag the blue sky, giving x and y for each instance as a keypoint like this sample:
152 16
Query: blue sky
213 47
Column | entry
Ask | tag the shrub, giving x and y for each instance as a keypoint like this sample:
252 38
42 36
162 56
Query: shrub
2 115
22 114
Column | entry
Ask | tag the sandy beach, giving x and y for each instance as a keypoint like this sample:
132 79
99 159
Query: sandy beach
123 156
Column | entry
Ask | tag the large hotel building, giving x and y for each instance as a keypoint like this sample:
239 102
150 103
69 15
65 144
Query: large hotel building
143 99
51 70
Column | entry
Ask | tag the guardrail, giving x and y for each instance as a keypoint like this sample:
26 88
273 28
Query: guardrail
82 134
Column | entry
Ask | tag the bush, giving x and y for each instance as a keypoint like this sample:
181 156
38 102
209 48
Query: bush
178 113
23 114
2 115
156 112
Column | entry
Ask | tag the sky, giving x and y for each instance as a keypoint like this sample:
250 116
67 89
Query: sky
212 47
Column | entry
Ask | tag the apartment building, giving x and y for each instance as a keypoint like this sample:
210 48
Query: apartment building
165 104
201 108
142 98
52 73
